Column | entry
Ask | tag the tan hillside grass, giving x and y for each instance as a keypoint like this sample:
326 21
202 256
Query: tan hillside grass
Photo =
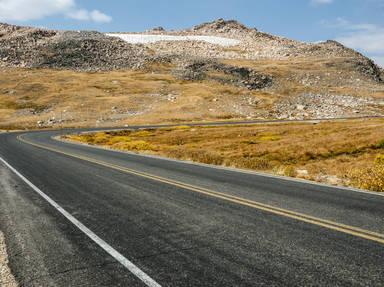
87 98
81 98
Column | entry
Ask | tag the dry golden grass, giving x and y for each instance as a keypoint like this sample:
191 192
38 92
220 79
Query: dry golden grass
350 150
141 96
82 98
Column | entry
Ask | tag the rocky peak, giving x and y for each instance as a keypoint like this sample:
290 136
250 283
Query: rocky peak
333 44
358 60
158 29
222 26
6 28
24 33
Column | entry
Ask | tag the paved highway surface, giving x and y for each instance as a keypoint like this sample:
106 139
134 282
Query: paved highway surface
80 216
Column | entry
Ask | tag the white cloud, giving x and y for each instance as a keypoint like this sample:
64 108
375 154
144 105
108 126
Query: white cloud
365 37
22 10
25 10
344 24
100 17
80 14
321 2
85 15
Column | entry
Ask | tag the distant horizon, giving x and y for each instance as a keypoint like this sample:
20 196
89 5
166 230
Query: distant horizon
354 23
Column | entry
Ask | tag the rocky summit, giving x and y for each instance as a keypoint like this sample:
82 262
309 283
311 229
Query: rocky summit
86 50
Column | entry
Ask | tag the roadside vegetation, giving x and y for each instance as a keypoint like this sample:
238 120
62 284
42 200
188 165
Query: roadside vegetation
347 153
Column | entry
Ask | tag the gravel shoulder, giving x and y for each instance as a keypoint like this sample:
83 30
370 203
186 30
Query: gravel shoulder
6 277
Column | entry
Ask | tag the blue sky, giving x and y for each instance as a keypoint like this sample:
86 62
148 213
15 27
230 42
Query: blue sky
356 23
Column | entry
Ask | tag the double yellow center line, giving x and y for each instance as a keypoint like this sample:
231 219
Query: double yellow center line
355 231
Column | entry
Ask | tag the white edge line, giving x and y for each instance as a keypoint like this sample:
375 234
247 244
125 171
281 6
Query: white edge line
225 168
109 249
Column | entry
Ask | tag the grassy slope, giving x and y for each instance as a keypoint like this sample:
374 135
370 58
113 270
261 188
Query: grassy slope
86 97
142 96
342 152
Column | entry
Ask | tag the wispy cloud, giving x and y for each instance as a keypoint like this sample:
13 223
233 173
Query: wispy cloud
25 10
365 37
346 25
321 2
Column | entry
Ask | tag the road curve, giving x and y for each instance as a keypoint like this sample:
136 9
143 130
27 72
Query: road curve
178 223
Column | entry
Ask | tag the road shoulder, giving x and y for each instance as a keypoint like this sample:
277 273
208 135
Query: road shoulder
6 277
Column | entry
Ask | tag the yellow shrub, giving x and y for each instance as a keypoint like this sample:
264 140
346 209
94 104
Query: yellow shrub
118 139
134 145
289 171
379 159
98 138
257 163
370 178
142 133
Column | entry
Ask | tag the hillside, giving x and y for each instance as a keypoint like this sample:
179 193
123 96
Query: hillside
216 70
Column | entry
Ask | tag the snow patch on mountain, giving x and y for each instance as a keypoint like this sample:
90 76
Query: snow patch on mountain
147 39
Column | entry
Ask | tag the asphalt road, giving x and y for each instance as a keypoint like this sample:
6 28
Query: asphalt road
179 224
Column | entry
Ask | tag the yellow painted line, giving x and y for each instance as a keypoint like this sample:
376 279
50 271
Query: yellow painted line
355 231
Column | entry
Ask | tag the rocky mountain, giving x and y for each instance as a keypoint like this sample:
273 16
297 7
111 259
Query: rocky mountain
216 70
85 50
256 45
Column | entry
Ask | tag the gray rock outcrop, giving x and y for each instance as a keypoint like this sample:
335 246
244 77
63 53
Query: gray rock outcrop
33 47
